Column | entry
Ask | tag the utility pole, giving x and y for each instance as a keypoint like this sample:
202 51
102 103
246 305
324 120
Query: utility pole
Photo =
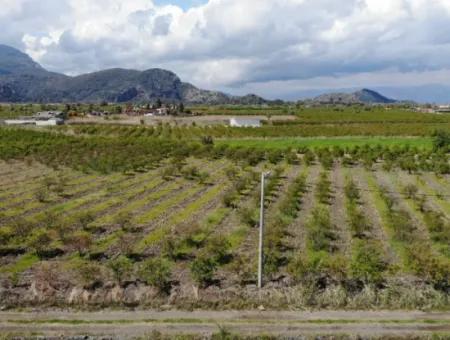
261 232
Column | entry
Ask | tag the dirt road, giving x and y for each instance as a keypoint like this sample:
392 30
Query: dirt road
129 324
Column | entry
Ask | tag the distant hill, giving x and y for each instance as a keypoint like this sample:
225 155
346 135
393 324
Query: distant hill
24 80
364 96
13 61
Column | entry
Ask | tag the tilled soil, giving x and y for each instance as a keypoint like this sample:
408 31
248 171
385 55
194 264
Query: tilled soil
338 211
373 215
297 230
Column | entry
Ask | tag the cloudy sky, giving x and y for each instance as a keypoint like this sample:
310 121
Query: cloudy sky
273 48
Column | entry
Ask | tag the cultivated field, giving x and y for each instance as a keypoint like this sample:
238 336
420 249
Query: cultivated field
165 217
337 236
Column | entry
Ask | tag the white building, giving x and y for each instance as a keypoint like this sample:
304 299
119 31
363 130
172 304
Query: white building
50 122
46 118
20 122
245 122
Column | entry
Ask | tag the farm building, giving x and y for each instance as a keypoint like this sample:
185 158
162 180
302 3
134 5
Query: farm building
20 122
50 122
245 122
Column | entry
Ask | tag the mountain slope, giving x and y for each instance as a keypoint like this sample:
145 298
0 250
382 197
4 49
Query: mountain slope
364 96
23 80
13 61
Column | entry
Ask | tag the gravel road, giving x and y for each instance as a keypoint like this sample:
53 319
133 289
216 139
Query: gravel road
131 324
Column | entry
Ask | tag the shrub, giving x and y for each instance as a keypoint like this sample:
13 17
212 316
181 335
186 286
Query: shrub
219 247
319 230
169 172
190 172
41 194
231 172
441 140
358 222
83 219
410 191
367 263
249 216
6 233
310 267
309 158
229 199
22 228
323 190
352 191
40 242
88 273
403 226
203 177
203 269
122 267
157 272
81 241
123 220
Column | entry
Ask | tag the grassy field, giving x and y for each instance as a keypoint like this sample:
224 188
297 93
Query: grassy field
318 142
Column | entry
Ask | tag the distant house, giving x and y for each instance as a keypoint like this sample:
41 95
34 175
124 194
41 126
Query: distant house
245 122
163 111
443 109
44 115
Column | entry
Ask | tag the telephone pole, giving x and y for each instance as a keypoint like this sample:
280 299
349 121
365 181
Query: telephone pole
261 231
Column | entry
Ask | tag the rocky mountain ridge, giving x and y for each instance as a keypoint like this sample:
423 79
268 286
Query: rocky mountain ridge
23 80
364 96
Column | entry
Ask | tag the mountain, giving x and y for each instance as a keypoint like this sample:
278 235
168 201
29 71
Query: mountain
23 80
13 61
364 96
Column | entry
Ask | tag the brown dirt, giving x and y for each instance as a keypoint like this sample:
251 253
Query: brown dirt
372 213
297 230
338 211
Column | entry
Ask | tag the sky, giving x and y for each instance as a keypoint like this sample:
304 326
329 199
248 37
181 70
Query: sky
277 49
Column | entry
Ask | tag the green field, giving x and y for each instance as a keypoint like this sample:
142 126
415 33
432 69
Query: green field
321 142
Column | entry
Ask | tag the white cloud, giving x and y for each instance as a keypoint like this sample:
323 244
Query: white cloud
238 45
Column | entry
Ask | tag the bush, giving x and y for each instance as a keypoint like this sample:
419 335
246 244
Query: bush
219 248
40 242
122 268
41 194
157 272
190 172
320 234
352 191
22 228
81 241
203 269
367 263
410 191
311 267
249 216
88 273
441 140
323 192
123 220
83 219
